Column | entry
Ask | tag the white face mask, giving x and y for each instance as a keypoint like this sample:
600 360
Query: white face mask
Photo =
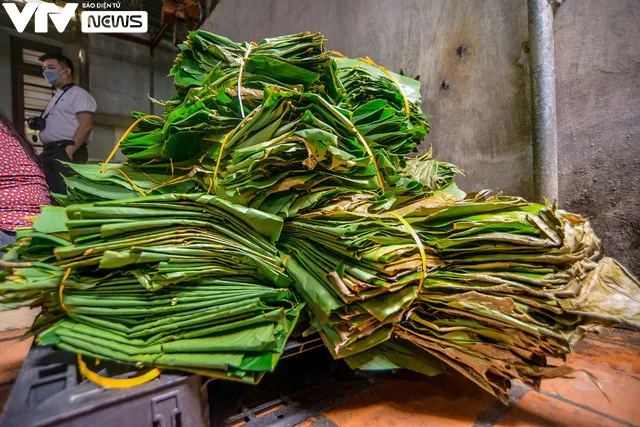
52 76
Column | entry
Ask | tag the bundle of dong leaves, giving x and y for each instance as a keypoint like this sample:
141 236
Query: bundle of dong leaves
281 179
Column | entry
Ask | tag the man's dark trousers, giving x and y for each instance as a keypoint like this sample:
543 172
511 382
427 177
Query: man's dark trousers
54 170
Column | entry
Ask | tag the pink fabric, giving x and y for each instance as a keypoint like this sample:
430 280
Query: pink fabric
23 188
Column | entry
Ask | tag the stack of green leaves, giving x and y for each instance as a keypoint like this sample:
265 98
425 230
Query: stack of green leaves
507 284
296 144
229 328
385 106
190 282
304 145
93 183
292 62
397 266
290 144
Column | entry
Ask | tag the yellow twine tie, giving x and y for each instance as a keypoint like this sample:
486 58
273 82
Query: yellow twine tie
371 155
223 143
393 79
210 185
246 55
362 141
215 172
61 288
133 184
171 181
336 53
124 136
116 382
418 244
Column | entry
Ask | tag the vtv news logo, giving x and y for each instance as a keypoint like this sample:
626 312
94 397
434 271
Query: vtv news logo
92 21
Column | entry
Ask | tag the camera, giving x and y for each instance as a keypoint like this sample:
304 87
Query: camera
37 123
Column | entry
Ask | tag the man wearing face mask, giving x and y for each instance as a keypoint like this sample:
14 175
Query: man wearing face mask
67 121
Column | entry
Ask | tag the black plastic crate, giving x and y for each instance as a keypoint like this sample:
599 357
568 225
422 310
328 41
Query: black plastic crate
49 391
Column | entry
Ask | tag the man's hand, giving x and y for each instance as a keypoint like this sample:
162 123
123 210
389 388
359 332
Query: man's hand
85 126
71 150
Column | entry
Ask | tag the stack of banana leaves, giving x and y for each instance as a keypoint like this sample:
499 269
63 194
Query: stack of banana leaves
293 62
331 139
189 282
488 286
386 107
292 145
280 176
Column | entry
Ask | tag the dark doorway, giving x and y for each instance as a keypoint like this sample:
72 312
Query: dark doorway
30 90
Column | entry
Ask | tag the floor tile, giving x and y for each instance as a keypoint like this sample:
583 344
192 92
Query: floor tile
12 334
538 410
414 400
615 375
12 353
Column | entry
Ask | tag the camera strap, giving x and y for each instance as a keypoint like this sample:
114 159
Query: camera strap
64 90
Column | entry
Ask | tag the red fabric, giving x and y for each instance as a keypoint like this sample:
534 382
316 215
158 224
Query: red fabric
23 188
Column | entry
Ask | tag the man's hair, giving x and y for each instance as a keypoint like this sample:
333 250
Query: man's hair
58 57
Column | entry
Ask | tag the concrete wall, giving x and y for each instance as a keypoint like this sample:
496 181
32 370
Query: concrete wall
120 83
472 60
598 92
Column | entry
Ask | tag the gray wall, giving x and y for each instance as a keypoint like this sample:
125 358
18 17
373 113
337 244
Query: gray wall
119 76
479 94
598 92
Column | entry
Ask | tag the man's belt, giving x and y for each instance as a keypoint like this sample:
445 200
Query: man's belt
56 144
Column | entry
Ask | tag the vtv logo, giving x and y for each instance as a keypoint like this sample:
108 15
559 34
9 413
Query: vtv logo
43 11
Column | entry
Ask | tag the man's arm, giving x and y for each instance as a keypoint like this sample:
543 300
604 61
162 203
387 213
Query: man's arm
85 126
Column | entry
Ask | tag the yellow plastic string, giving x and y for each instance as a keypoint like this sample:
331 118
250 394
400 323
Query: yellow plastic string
61 288
393 79
223 143
418 244
171 181
150 179
116 382
133 184
371 155
246 55
336 53
210 185
122 138
171 161
363 142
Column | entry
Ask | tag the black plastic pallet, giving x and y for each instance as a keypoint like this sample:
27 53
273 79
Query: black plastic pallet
49 391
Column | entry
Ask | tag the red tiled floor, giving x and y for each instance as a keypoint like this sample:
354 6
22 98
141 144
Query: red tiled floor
617 370
538 410
413 400
11 334
12 353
